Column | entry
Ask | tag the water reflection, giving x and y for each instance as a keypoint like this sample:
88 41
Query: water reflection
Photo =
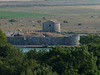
37 49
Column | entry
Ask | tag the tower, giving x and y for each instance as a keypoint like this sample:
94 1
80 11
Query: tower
51 26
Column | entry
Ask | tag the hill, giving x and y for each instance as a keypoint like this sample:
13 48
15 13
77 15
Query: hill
83 16
48 2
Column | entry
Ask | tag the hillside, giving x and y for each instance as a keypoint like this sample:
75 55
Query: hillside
18 0
48 2
82 16
53 0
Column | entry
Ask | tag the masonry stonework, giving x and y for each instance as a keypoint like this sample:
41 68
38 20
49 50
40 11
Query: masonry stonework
51 26
20 40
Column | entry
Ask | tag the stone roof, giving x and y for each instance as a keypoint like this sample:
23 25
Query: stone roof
54 20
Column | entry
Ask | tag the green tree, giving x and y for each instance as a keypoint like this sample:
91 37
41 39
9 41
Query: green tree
3 39
71 61
90 39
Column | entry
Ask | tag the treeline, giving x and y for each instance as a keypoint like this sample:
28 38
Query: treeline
83 60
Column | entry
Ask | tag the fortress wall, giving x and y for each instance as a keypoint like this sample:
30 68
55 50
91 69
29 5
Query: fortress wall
19 40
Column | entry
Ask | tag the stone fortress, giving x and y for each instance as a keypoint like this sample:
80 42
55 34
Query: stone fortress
50 36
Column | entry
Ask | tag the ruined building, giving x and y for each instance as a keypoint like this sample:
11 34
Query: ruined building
45 39
51 26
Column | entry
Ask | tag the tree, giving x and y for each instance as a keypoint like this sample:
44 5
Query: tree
71 60
3 39
90 39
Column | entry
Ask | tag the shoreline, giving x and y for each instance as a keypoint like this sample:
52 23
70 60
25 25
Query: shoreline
32 46
41 46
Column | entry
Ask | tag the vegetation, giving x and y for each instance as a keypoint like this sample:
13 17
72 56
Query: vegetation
90 39
23 3
83 60
93 43
73 14
12 20
11 14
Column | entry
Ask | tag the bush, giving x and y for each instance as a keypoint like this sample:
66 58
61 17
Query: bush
12 20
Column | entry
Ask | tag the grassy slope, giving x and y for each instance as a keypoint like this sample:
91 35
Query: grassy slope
50 3
11 14
68 11
73 14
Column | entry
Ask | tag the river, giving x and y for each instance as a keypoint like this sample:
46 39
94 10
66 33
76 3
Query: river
37 49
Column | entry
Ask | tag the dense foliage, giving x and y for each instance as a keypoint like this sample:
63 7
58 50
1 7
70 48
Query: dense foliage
90 39
93 43
83 60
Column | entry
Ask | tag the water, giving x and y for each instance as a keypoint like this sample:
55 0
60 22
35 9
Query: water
37 49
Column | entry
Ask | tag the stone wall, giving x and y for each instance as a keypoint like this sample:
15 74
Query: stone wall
21 40
50 26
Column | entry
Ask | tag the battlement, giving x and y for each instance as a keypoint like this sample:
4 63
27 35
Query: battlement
27 40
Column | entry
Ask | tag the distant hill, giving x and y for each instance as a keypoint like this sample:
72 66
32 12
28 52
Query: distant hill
21 0
34 0
53 0
17 0
48 2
